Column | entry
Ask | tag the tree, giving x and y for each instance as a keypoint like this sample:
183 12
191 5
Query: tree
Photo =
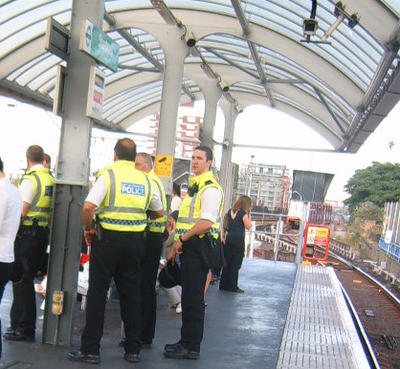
378 184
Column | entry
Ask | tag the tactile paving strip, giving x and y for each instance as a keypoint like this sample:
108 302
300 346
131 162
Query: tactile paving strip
319 331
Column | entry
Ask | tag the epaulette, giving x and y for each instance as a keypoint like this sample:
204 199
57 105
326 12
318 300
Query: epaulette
208 182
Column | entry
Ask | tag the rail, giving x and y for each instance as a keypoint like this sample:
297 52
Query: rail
361 331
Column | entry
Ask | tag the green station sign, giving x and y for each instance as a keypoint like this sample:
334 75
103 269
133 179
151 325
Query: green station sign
99 46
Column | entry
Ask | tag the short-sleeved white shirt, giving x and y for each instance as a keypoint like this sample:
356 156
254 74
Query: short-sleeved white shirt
210 200
10 216
175 204
26 187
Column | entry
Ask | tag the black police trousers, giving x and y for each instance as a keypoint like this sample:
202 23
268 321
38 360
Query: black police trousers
151 262
117 255
194 269
30 250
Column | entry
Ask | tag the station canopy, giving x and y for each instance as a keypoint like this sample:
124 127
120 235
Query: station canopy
338 72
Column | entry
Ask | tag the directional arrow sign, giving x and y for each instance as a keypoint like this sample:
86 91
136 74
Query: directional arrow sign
99 46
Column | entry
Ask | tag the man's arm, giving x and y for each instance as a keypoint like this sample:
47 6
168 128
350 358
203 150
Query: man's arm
87 215
25 209
201 227
154 214
156 207
87 220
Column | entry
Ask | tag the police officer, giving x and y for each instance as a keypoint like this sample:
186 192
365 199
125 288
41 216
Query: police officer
152 253
122 196
31 243
198 221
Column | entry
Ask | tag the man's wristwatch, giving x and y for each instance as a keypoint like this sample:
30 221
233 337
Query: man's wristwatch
180 238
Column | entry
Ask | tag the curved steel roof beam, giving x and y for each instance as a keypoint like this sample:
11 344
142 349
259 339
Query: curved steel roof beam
253 50
322 69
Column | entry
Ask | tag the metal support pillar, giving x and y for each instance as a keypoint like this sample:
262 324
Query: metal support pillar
225 176
302 227
71 180
175 51
212 93
277 237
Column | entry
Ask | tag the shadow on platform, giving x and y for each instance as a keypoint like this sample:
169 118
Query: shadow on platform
241 330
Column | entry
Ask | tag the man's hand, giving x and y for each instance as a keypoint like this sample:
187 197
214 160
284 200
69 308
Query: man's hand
176 249
89 235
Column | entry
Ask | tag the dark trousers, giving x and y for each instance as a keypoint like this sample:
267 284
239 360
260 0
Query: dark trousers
234 252
117 255
194 273
30 248
6 270
151 261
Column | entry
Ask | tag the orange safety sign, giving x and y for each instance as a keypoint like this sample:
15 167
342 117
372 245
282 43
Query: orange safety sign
163 165
316 236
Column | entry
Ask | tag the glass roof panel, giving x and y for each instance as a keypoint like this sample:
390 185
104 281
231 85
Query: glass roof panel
354 53
394 5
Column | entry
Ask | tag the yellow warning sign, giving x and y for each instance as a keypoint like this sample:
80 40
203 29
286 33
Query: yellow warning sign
163 165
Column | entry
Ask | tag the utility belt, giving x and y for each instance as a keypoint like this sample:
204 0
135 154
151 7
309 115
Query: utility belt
30 230
207 248
104 234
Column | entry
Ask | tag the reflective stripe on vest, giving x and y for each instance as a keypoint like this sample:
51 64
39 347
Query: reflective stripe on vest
112 214
40 207
158 225
190 210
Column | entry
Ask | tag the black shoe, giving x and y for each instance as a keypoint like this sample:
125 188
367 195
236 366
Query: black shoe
169 347
12 335
239 290
132 358
84 358
182 353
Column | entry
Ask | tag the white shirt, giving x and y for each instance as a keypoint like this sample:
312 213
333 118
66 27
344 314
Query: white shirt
175 203
26 187
99 191
10 216
210 201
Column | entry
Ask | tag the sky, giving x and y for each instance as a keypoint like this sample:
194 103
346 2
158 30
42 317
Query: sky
22 125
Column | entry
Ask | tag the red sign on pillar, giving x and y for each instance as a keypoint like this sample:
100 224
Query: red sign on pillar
316 238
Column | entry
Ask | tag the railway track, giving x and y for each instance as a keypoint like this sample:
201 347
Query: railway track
377 308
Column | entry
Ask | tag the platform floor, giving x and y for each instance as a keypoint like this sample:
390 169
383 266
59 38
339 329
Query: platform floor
319 331
241 330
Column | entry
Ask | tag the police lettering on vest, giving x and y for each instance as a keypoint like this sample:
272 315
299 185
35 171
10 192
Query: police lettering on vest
132 189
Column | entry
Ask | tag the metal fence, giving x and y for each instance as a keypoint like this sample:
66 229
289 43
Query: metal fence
389 243
390 249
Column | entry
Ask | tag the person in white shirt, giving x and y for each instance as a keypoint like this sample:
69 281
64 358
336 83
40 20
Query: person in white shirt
176 198
10 216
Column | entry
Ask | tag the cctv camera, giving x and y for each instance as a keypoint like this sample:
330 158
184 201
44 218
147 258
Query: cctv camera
223 86
190 39
310 27
239 109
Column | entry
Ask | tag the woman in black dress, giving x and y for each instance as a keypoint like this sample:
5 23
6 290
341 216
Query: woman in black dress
236 221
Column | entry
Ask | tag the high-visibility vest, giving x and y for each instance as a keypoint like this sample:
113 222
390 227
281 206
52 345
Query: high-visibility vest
40 207
128 197
158 225
190 209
